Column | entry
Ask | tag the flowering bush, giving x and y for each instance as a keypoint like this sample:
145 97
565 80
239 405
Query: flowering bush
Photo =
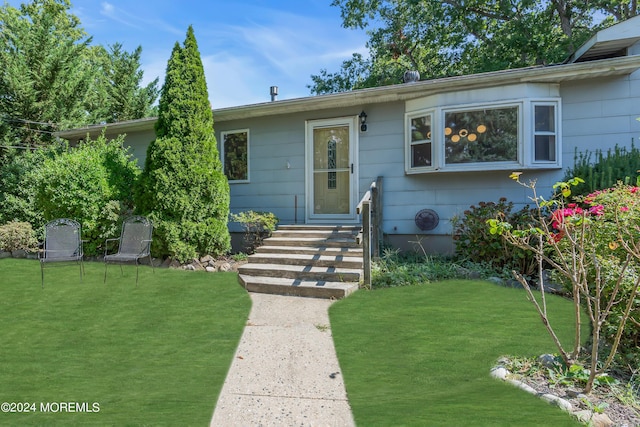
593 245
612 217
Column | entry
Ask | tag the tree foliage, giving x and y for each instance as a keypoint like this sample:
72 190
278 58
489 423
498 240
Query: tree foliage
457 37
52 78
125 98
44 78
182 187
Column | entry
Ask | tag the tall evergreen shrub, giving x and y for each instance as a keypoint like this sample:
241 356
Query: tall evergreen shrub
182 188
605 170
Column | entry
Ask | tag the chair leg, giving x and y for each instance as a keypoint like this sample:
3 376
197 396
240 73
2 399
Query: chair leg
136 273
105 272
121 271
42 274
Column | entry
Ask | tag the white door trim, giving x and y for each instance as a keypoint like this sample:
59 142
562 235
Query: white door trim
310 125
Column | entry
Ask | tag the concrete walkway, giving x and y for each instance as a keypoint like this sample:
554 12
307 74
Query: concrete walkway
285 371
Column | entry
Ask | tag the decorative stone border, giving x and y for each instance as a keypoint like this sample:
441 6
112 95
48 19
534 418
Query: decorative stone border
585 416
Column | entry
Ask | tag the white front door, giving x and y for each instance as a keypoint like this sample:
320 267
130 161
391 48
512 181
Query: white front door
331 170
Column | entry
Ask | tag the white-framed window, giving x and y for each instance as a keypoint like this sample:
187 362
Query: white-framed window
545 132
420 153
521 133
235 155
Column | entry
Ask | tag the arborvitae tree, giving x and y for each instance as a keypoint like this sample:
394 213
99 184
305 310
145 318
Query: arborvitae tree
182 188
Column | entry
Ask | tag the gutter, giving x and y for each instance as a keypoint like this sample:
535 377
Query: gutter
393 93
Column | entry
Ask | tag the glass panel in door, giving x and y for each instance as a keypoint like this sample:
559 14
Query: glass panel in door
331 170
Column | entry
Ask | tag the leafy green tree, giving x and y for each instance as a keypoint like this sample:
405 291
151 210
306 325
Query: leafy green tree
182 188
457 37
44 77
52 78
125 98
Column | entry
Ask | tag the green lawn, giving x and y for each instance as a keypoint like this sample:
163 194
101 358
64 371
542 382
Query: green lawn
152 355
421 355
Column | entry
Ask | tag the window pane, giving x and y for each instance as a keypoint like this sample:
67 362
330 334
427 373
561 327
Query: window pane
487 135
545 148
421 128
235 156
545 118
420 155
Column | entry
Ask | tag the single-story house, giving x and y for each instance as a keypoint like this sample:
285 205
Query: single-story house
439 145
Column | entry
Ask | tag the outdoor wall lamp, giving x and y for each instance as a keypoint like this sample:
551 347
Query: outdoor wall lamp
363 121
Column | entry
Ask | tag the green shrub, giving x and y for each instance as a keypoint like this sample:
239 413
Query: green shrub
474 243
182 188
91 184
605 170
17 236
17 189
257 226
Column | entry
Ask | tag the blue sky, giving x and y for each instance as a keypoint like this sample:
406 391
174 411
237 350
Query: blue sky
246 46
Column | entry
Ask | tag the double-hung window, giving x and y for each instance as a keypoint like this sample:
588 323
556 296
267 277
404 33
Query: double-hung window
235 155
421 150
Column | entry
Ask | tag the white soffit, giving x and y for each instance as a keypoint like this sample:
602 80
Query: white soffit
610 42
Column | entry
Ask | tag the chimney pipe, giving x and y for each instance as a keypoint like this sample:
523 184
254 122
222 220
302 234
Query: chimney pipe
274 93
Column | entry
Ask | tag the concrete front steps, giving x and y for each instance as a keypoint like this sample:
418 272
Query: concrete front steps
308 261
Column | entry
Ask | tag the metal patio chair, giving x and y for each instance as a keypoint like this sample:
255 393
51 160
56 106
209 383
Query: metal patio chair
134 244
62 243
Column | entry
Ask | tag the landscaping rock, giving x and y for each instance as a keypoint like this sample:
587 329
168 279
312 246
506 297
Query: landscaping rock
548 360
210 269
499 372
558 401
19 253
522 386
207 259
5 254
593 419
225 266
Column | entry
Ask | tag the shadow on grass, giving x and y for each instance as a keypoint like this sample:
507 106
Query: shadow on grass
421 355
156 354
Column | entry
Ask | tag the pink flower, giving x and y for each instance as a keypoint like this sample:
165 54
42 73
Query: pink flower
624 208
596 210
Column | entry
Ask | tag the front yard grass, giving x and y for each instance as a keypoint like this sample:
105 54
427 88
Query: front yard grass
421 355
156 354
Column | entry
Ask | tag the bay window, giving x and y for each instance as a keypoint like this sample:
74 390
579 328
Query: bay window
522 133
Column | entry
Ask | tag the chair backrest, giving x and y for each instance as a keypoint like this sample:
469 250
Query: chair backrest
62 239
136 236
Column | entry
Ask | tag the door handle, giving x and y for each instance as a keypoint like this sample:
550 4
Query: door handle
351 167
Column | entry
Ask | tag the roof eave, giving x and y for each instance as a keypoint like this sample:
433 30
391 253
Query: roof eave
402 92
